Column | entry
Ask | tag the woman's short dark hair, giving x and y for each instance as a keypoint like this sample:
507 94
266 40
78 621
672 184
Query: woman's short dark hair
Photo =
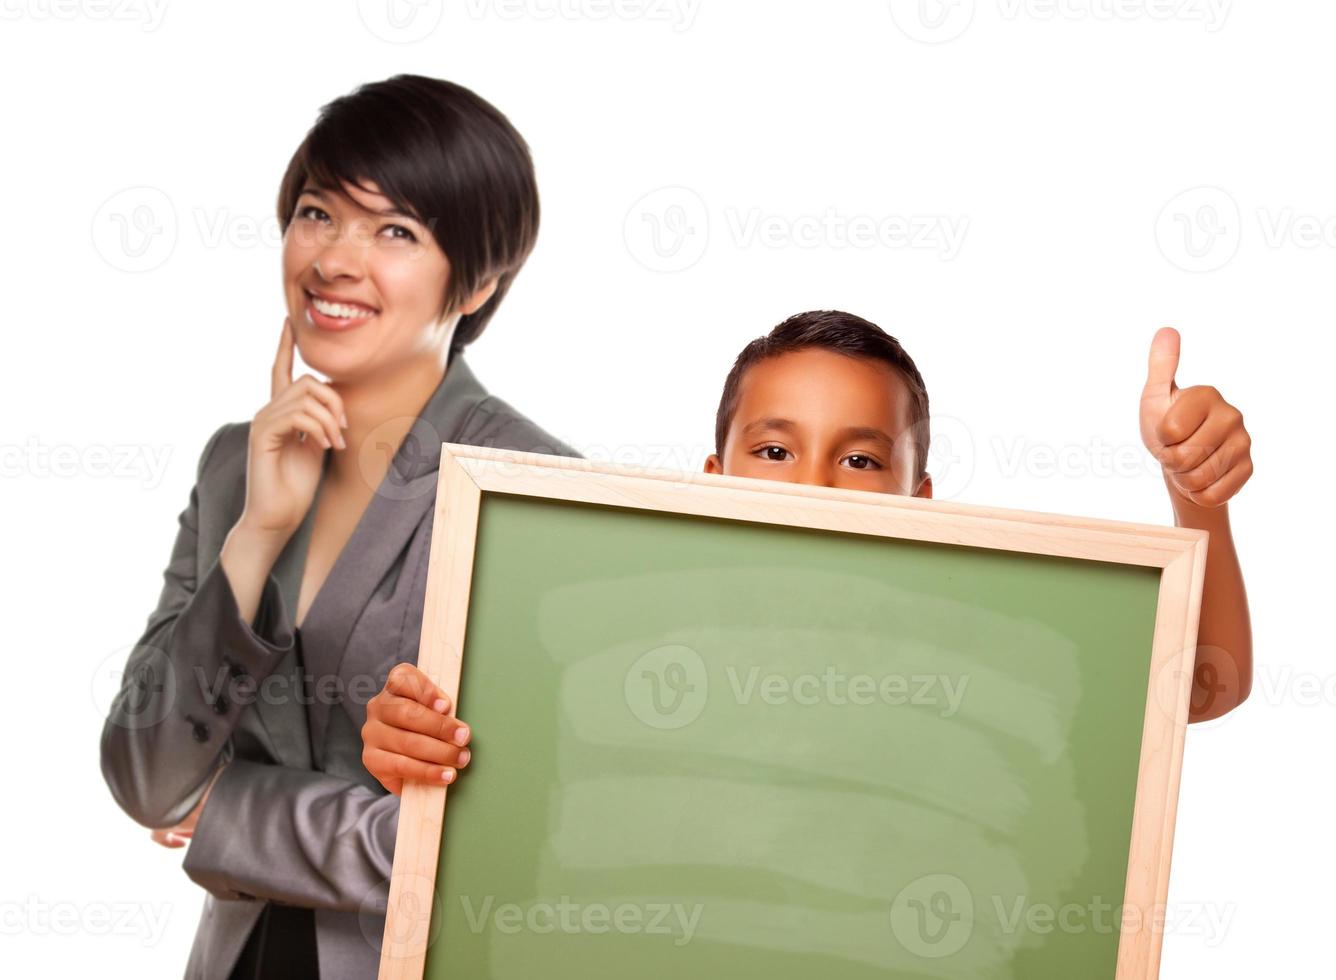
842 333
445 156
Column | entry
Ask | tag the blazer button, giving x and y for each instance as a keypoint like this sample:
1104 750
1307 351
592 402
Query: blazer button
200 731
235 669
220 705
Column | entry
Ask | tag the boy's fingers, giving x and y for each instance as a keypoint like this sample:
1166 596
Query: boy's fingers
398 712
424 748
390 764
1163 364
1185 416
408 681
1230 455
280 377
1223 489
1214 433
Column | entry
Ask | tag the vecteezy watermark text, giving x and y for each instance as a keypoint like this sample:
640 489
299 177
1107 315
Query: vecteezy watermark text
836 688
36 916
672 919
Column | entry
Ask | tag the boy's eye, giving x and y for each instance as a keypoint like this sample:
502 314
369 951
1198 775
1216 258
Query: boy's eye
858 461
776 454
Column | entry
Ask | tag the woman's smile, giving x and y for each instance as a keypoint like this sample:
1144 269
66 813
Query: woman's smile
335 313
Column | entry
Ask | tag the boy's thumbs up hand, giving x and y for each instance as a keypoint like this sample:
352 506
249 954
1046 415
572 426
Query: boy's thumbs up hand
1197 437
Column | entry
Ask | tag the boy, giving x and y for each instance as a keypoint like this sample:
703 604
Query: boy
829 399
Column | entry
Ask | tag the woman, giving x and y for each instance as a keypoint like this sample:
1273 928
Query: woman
298 574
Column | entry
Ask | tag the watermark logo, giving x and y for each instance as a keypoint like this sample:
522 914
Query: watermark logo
673 920
832 229
148 14
1041 460
1206 920
1200 229
417 918
134 687
939 21
1211 14
834 687
402 457
400 21
951 455
36 916
932 21
1287 227
680 14
668 229
1215 677
42 460
933 916
135 229
667 687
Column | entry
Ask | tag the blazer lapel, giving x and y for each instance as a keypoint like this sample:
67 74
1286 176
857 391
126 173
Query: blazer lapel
289 731
400 504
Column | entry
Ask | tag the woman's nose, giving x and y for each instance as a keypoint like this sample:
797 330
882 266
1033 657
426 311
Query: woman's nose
338 258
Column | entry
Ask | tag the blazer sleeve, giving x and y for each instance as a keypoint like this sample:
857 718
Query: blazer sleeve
295 836
169 725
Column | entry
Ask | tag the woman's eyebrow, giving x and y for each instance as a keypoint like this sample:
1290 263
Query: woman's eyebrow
390 212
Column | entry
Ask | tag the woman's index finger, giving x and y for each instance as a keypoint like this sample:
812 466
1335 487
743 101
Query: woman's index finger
281 375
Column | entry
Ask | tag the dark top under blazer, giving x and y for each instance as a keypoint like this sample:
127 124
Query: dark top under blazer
294 818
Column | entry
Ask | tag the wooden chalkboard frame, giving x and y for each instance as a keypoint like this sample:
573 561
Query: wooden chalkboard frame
467 472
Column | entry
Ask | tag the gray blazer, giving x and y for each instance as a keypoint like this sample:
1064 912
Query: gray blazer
294 818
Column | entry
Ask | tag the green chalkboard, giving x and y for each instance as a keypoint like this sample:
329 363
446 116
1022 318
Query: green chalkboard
708 748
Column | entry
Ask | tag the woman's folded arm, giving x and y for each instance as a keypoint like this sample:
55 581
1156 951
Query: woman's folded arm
169 725
295 836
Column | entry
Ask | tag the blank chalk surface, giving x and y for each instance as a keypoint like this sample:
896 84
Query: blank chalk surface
717 749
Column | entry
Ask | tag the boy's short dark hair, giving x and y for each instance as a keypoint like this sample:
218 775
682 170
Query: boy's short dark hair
445 156
842 333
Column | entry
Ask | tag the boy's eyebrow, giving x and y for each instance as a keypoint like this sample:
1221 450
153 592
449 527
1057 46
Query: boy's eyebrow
769 423
390 212
788 425
867 432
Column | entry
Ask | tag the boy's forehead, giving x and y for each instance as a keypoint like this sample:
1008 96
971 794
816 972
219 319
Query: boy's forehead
822 384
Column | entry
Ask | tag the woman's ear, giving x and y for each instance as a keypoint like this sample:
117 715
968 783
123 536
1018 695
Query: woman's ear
475 302
713 464
925 488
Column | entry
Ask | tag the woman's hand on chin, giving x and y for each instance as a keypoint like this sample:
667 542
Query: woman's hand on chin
288 439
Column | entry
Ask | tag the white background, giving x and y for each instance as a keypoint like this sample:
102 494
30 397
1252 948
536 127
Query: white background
1115 166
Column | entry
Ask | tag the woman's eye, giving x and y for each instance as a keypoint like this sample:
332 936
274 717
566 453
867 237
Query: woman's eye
775 453
403 233
312 212
858 461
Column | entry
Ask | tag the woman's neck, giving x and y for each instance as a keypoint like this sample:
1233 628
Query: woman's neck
380 412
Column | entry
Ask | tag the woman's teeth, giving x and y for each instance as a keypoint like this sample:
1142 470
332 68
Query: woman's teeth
340 311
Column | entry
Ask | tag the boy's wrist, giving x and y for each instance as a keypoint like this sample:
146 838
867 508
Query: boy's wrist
1190 514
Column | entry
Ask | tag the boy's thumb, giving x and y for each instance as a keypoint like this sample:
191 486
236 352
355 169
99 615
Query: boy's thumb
1163 364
